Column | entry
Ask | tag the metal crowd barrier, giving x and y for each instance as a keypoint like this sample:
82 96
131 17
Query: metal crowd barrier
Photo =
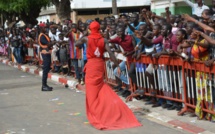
200 87
109 74
166 74
176 80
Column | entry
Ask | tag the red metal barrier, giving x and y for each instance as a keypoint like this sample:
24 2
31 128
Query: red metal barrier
201 87
109 74
176 80
169 68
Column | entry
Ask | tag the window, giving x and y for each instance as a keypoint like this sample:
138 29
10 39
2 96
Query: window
87 12
105 11
129 10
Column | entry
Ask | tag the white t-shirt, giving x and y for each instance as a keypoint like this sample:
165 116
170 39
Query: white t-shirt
195 8
53 36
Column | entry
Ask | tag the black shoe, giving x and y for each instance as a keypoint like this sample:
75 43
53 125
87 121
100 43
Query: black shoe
122 92
46 88
166 105
117 87
139 97
118 90
126 94
171 107
149 103
50 87
178 108
156 105
147 99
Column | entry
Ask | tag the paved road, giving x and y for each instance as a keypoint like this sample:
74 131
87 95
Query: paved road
24 109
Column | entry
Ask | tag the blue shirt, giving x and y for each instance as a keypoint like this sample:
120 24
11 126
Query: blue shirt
130 32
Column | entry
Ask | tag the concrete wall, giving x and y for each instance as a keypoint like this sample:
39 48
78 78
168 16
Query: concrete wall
86 17
43 18
54 18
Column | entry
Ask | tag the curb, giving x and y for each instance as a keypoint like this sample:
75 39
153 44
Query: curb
179 124
53 77
73 84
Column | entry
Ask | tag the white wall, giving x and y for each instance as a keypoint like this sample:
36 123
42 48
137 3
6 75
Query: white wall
43 18
77 4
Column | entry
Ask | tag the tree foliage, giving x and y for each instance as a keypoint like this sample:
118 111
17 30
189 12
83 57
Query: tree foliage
26 10
29 10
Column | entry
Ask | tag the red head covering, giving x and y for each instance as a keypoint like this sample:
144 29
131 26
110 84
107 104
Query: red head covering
42 25
94 28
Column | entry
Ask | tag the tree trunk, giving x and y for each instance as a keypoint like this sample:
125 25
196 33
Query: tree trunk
63 9
114 7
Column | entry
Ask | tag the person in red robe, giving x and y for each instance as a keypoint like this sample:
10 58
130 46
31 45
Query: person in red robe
104 109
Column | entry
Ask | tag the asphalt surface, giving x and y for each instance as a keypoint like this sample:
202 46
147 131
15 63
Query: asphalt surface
25 109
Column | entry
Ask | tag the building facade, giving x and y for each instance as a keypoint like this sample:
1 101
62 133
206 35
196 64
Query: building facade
175 6
91 9
83 9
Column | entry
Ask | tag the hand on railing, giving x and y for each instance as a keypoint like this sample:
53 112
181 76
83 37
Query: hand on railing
186 59
171 52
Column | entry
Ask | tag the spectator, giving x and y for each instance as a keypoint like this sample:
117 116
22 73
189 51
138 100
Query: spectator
16 42
197 8
128 44
212 9
75 53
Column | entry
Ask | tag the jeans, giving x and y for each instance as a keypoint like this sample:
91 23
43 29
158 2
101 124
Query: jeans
75 64
18 55
123 77
83 63
46 67
132 73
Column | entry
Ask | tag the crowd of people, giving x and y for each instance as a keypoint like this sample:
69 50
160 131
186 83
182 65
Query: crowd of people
191 37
